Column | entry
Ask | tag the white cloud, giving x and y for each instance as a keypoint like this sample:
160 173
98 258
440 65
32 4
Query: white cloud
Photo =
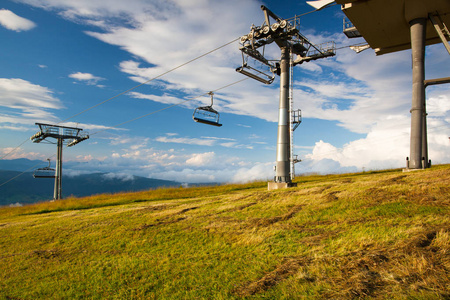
84 158
94 128
120 176
171 164
27 103
166 99
14 127
11 21
386 146
87 78
259 171
186 140
201 159
438 106
19 93
15 153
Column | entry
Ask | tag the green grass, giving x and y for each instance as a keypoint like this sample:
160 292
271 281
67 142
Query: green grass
373 235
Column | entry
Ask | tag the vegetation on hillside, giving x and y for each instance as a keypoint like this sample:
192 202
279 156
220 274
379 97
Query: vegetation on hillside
376 235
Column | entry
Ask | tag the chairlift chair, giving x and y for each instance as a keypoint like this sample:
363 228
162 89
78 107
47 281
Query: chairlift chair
45 172
207 114
254 73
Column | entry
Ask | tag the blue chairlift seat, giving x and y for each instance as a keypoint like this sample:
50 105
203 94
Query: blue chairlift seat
207 114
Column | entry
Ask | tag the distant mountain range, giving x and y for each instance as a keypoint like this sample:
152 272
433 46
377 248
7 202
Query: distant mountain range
25 189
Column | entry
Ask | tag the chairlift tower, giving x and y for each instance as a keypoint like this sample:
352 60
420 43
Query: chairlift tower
69 136
286 35
392 26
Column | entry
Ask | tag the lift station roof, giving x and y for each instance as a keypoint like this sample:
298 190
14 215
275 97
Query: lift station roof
384 24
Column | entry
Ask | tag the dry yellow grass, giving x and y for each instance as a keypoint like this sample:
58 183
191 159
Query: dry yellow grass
380 235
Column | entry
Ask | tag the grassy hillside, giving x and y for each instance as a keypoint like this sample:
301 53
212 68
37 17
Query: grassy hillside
381 235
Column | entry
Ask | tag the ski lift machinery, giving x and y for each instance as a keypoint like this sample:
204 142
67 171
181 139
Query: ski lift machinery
207 114
70 136
45 172
252 72
286 35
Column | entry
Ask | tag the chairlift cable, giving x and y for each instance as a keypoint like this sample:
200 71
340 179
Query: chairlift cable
167 107
17 176
21 173
132 120
14 149
316 10
135 87
154 78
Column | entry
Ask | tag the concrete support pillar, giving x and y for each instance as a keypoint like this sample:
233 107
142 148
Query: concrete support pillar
283 138
418 32
57 194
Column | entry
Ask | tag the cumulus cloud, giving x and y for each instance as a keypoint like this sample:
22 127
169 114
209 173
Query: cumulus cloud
87 78
171 164
11 21
201 159
259 171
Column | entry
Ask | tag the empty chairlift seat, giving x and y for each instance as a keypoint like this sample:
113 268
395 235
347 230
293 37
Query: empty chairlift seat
45 172
207 114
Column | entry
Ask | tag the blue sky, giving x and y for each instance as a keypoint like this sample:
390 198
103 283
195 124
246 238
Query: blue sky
61 57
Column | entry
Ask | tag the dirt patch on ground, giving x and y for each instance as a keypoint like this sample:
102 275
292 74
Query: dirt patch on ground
157 207
269 221
422 263
46 254
280 273
322 189
159 223
393 180
346 180
330 197
187 209
241 207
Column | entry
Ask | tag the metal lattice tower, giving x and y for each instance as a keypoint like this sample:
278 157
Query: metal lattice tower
286 35
63 135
